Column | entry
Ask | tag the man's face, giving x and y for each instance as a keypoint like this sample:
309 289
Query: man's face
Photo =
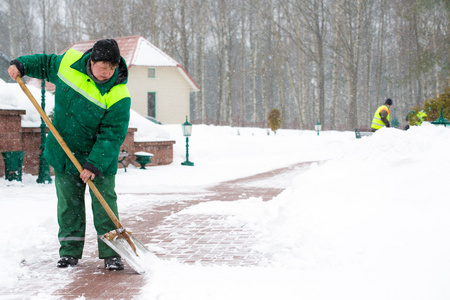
102 70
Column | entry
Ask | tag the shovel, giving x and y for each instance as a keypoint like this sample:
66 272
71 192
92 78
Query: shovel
120 240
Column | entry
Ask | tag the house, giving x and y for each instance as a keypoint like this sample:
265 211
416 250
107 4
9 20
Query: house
159 86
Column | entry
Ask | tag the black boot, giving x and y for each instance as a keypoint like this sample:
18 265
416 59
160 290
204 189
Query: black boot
113 263
66 261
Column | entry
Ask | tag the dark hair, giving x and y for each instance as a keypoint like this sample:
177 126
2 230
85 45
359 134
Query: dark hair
106 50
388 101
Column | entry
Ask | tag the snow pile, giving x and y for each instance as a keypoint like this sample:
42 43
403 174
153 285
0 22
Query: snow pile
368 224
367 220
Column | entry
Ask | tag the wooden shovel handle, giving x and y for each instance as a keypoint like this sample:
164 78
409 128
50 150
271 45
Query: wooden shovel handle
68 152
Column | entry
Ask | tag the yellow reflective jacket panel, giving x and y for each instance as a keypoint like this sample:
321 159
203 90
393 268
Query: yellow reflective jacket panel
377 123
82 84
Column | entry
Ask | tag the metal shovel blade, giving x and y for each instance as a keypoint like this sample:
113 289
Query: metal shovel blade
139 258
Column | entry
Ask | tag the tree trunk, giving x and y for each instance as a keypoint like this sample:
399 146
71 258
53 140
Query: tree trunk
379 57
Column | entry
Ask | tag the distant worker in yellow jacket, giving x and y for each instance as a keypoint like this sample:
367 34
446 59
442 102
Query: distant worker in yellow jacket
381 117
415 119
422 117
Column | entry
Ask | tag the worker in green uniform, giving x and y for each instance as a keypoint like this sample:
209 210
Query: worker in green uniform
92 112
415 119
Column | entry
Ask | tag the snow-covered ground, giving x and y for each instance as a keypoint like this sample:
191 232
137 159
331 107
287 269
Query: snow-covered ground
371 221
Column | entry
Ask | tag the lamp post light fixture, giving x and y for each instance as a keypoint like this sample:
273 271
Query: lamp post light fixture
187 130
441 120
318 127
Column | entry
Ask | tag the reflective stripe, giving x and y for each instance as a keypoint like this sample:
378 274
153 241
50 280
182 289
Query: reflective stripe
87 96
377 123
71 238
82 84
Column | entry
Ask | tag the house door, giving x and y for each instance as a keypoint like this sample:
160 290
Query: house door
151 104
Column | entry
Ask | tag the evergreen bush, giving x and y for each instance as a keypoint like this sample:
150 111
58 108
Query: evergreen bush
275 119
433 106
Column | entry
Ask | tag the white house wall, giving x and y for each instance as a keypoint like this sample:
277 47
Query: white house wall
172 93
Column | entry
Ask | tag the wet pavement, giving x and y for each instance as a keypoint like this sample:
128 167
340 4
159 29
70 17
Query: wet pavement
188 238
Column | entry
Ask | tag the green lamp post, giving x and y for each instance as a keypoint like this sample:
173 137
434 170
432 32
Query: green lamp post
318 127
395 123
187 130
441 120
44 168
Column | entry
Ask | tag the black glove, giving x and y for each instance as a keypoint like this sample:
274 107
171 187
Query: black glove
92 168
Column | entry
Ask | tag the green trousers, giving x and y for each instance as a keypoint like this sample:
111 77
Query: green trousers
70 190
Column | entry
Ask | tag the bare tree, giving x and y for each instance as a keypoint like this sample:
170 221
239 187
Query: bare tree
309 15
349 33
252 55
379 62
199 98
253 19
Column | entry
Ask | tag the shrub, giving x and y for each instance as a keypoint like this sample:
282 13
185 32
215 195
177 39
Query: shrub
433 106
275 119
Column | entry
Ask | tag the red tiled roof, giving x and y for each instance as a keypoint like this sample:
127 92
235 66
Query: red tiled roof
127 46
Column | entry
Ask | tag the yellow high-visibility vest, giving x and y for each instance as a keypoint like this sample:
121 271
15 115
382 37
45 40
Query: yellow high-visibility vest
422 115
81 83
377 123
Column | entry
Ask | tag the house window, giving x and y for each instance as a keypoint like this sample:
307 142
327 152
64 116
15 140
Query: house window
151 104
151 72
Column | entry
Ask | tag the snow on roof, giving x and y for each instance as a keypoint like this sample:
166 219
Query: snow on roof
149 55
137 51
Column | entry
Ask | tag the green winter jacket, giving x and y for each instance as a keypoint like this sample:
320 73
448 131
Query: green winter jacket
92 118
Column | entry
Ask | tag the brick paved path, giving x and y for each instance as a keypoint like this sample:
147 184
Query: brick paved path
188 238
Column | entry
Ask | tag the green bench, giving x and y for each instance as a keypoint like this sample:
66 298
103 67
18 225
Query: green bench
123 154
360 134
142 158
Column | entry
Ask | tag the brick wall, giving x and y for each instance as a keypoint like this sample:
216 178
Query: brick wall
128 145
31 137
10 133
162 151
14 137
